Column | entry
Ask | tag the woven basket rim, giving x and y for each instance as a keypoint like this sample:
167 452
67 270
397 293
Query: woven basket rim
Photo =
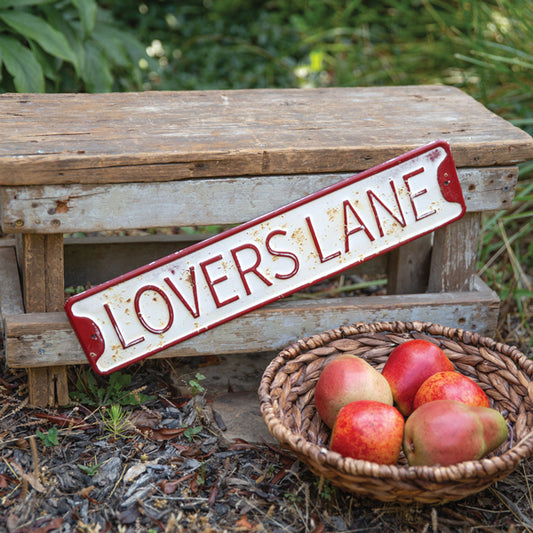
477 469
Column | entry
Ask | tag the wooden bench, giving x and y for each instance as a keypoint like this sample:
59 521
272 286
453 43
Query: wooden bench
74 163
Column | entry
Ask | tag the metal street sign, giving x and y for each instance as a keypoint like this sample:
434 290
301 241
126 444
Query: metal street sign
196 289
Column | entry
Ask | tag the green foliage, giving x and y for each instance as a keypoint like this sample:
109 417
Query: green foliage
194 384
116 421
69 291
90 470
103 392
68 45
191 432
325 489
50 437
505 260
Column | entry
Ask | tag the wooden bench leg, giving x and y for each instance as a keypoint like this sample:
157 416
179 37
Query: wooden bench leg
453 260
48 386
41 265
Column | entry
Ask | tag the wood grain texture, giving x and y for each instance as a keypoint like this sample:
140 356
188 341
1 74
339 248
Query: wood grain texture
31 257
47 338
10 291
71 208
54 285
453 259
161 136
41 263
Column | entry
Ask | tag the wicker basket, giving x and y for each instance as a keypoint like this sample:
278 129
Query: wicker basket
287 389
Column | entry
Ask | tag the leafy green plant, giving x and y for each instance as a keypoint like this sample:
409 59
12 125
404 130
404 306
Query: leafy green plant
325 489
106 391
192 432
90 470
69 291
116 421
194 384
49 438
67 45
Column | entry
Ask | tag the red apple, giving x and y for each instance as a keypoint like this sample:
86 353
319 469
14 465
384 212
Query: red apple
445 432
450 386
408 366
346 379
368 430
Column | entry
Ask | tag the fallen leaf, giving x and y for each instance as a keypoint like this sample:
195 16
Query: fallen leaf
177 403
54 524
319 528
161 434
169 486
134 472
145 419
129 516
213 493
65 420
244 524
241 444
282 472
30 478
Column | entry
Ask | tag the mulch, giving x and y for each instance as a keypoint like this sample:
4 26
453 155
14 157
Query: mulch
166 466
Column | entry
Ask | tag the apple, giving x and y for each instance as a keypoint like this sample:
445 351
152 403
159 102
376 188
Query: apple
346 379
368 430
450 386
445 432
408 366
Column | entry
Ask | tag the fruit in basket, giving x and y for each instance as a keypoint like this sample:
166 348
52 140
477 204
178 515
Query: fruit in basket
451 386
408 366
368 430
346 379
445 432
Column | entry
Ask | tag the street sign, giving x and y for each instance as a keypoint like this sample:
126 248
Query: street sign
186 293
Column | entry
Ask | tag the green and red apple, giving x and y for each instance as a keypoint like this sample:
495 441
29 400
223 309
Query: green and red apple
368 430
346 379
408 366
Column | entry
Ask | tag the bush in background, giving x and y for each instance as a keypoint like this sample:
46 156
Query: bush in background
72 45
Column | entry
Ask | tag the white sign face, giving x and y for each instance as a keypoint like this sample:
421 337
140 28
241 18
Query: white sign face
205 285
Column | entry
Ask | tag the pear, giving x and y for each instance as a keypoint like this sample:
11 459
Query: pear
346 379
445 432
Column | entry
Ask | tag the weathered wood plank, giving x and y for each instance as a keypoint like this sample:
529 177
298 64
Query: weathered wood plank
41 263
53 258
10 291
32 267
453 259
47 338
71 208
160 136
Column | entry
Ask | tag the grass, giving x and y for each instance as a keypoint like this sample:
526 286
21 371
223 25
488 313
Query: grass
506 263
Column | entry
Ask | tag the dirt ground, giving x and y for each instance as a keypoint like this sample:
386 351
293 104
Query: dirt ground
174 463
